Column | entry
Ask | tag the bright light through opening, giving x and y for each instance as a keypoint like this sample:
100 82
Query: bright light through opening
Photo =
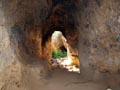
59 58
66 62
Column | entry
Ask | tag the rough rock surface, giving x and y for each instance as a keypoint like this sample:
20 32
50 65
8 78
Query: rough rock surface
99 47
100 28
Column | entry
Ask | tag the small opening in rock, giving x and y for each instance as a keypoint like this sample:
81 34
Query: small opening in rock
61 53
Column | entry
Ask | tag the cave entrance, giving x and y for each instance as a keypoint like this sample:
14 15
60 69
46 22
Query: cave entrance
61 54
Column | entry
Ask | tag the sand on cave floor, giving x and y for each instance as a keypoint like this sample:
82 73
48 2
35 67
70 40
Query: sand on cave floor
61 80
58 80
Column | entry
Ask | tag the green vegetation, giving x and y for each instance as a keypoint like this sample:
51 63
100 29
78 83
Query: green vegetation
59 54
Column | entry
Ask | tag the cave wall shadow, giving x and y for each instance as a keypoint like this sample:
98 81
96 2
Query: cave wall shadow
18 43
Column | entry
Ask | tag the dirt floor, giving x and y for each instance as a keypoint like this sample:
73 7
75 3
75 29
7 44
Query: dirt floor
58 81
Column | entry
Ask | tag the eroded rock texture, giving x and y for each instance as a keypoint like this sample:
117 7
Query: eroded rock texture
100 30
59 17
27 25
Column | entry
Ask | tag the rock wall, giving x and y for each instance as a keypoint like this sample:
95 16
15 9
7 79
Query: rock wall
16 63
99 32
98 22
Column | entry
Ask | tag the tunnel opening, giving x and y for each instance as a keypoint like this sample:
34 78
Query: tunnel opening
62 55
27 46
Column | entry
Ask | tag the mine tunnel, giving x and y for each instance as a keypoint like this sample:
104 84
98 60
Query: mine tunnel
59 44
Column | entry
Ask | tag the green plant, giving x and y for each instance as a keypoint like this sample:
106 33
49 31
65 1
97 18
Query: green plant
59 54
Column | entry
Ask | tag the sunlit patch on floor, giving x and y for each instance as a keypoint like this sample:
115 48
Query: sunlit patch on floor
62 55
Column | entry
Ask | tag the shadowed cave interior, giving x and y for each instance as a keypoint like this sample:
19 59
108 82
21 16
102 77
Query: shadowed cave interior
59 45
